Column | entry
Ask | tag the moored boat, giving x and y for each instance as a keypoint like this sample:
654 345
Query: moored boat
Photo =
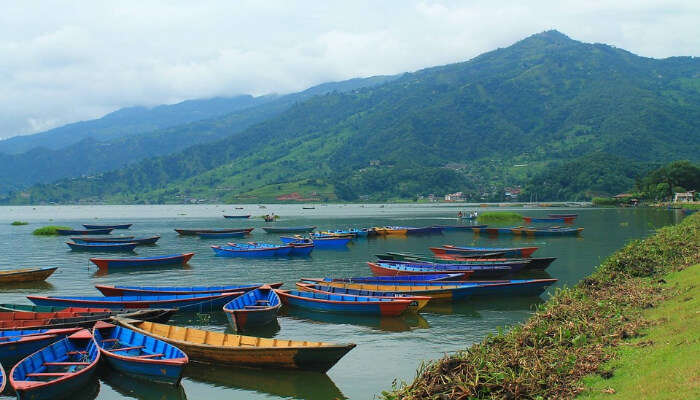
237 216
417 302
58 370
237 350
468 251
470 271
184 302
117 239
221 235
102 246
3 378
118 290
119 226
139 355
195 232
301 248
111 264
26 274
567 220
344 304
437 291
255 308
17 344
460 227
66 232
574 216
252 250
404 278
553 231
288 229
390 230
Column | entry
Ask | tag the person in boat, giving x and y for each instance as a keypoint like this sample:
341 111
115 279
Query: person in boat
460 215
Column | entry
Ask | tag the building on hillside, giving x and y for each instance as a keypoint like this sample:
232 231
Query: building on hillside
684 197
459 196
512 193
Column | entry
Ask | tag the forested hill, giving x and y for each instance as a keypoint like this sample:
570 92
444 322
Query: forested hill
456 127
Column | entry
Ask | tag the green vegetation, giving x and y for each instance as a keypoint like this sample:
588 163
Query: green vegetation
605 201
663 361
499 216
573 334
48 230
661 183
18 223
496 121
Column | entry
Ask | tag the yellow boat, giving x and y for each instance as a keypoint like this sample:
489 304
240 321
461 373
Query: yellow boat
390 230
223 348
417 302
434 292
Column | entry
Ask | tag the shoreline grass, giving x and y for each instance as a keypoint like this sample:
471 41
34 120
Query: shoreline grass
19 223
48 230
499 216
572 335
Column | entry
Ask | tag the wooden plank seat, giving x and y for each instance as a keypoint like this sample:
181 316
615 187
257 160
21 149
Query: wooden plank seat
126 348
150 355
71 353
58 363
262 302
255 307
47 374
110 340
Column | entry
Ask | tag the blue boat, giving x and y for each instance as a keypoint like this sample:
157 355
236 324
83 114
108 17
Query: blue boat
119 226
206 302
58 370
417 302
116 264
470 271
460 227
112 290
256 308
402 278
66 232
345 304
221 235
288 229
3 379
136 354
319 242
17 344
102 246
237 216
252 250
117 239
301 249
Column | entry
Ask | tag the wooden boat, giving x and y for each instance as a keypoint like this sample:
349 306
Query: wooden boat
460 227
288 229
495 231
117 239
3 378
533 263
417 302
390 230
70 317
183 302
392 256
344 304
112 290
66 232
111 264
567 220
390 279
237 216
423 230
227 349
320 242
514 287
26 274
470 271
301 249
332 235
58 370
574 216
118 226
102 246
256 308
553 231
221 235
139 355
252 250
195 232
468 251
17 344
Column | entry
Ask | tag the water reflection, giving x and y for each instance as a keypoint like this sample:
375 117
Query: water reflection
283 383
136 388
131 270
402 323
28 287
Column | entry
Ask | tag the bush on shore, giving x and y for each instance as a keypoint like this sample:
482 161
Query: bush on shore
17 223
49 230
499 216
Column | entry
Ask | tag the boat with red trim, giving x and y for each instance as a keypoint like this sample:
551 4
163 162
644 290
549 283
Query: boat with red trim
344 304
107 264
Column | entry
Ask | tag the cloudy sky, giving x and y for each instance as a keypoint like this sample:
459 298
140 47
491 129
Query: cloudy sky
64 61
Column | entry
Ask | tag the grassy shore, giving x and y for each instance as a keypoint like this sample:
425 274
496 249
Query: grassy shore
578 333
48 230
499 216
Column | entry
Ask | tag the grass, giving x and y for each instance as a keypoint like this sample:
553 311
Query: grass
664 362
18 223
571 336
503 216
48 230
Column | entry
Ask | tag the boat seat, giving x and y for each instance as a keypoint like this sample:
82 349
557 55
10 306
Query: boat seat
39 374
262 302
70 353
255 307
66 363
126 348
151 355
110 340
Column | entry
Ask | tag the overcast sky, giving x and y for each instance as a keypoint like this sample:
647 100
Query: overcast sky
64 61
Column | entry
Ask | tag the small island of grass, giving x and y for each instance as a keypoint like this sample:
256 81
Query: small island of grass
49 230
499 216
17 223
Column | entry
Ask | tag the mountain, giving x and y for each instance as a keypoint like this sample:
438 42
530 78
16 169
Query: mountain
113 141
476 126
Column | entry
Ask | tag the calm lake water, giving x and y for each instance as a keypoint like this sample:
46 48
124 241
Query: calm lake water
387 348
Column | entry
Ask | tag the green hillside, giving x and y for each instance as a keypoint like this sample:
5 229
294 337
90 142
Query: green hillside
496 120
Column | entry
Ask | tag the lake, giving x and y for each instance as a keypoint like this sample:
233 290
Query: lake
387 348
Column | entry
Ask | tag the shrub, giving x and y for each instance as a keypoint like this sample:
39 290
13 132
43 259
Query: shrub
499 217
17 223
49 230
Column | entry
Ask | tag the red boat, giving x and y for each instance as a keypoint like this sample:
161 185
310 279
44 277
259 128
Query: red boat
159 261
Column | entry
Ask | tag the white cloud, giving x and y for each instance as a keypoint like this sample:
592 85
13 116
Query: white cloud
66 61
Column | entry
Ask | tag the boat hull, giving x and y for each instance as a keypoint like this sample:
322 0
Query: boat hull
201 303
109 290
107 264
26 275
256 308
334 304
290 229
66 232
195 232
121 226
102 247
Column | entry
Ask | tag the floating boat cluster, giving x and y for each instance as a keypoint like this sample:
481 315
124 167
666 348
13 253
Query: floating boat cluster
53 347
